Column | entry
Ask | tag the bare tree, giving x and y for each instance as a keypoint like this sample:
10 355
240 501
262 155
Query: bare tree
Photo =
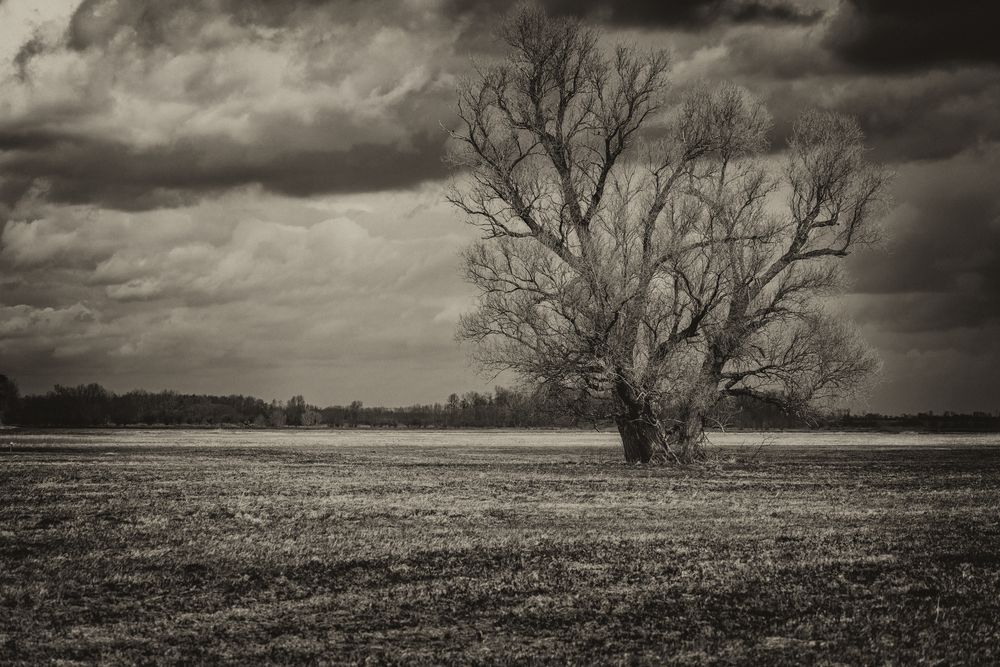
649 258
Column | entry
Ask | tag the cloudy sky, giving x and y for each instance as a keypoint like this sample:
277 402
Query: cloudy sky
246 195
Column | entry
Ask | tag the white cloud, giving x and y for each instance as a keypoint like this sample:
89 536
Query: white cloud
223 79
249 281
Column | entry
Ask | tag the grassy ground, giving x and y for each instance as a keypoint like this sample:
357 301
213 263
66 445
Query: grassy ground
121 554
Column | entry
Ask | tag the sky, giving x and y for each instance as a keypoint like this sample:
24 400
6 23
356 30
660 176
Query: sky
246 196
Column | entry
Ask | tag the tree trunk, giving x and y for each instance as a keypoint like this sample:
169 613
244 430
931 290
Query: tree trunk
639 439
643 438
689 436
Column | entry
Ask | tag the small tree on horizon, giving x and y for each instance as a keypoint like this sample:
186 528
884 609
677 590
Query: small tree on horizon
10 394
649 258
295 409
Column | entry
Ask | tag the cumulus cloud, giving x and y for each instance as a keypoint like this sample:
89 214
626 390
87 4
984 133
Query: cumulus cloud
908 114
142 104
248 281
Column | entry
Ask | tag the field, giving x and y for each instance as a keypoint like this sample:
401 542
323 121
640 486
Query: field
472 547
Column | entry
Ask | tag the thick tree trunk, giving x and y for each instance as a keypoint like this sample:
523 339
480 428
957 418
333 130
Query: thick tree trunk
689 436
643 438
639 439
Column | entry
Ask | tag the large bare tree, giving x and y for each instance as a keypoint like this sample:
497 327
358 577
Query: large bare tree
654 258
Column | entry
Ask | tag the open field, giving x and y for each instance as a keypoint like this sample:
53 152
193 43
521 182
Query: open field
315 546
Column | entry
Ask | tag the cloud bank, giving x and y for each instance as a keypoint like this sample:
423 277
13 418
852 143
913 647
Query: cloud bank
246 195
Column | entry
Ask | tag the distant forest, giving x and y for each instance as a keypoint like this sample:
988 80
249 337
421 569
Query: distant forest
92 405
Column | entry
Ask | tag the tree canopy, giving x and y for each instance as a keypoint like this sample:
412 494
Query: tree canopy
651 255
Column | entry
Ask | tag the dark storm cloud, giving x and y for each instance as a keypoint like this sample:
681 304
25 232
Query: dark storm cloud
305 150
80 170
153 22
926 117
893 35
143 104
688 14
940 268
916 113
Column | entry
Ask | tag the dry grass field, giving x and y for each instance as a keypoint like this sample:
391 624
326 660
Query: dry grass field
288 547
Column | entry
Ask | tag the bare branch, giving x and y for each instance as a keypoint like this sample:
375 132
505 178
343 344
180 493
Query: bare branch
653 276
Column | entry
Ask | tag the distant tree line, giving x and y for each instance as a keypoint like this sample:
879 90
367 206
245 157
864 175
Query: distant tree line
92 405
944 422
503 408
